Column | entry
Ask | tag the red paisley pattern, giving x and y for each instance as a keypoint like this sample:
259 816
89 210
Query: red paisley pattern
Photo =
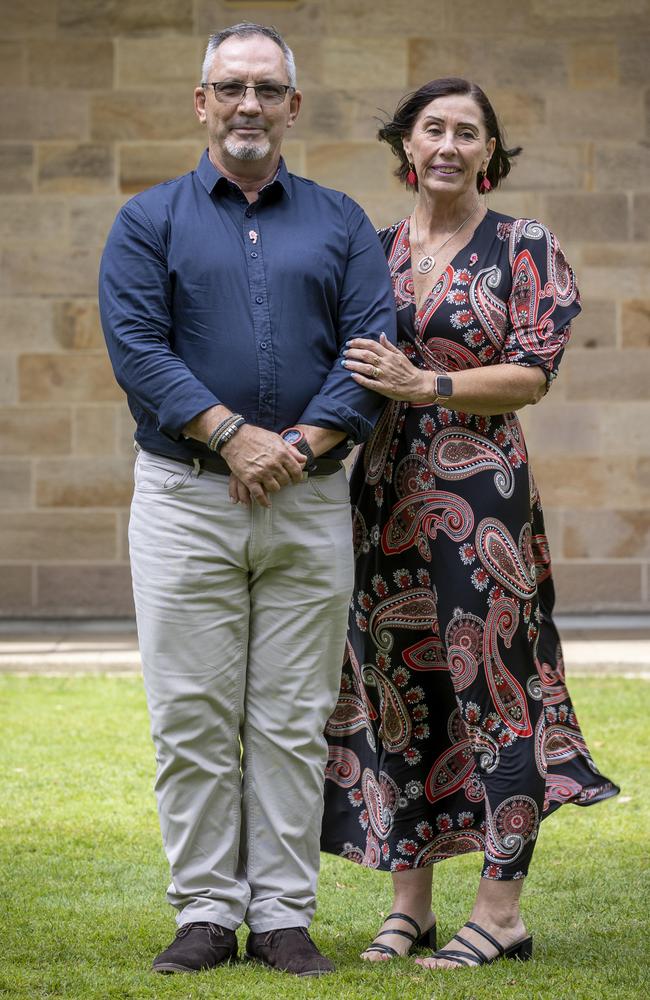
454 729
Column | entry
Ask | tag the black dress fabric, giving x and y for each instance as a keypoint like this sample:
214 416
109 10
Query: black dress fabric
454 730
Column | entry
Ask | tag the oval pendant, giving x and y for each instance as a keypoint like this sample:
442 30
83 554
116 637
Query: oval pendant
426 264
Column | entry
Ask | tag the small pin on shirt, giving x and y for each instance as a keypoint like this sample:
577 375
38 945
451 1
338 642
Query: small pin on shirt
252 235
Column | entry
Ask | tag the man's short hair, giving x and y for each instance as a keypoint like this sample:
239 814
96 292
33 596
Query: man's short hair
245 29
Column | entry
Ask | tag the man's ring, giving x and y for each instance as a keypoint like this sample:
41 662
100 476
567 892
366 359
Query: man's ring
376 372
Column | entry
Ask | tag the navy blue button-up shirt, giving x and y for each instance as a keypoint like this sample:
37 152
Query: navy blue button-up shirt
208 299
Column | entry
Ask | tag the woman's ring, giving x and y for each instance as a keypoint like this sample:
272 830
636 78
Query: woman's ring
376 372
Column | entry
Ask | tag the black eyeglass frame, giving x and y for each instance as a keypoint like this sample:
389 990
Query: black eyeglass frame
245 87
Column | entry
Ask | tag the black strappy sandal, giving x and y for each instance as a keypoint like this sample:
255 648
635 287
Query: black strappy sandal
522 950
418 940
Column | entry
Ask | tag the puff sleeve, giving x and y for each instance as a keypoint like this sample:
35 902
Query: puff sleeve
543 301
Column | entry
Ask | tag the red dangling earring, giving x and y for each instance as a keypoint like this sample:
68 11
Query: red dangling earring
411 177
485 185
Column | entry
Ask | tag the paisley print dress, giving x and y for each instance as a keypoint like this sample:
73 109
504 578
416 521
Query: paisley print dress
454 730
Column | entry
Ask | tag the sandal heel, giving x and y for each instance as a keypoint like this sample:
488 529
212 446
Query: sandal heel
429 939
522 951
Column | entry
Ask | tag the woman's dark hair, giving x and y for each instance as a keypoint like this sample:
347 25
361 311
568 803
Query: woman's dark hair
408 109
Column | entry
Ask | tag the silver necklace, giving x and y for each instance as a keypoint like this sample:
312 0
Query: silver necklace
428 261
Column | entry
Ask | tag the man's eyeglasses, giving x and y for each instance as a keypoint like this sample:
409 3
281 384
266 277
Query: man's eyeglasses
233 93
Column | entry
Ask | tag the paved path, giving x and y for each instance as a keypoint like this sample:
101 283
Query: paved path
96 648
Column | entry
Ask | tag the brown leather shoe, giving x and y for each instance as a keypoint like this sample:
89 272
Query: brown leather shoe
197 946
288 949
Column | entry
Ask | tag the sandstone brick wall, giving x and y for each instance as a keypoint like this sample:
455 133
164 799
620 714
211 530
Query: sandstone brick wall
96 103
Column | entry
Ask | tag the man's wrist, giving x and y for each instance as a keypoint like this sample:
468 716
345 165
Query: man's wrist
224 432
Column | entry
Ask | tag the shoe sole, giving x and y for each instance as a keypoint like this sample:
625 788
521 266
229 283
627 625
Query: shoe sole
300 975
168 968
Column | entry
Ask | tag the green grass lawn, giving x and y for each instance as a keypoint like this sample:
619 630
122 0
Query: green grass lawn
83 876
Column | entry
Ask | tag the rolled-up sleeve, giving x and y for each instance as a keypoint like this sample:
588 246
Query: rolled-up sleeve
135 307
366 309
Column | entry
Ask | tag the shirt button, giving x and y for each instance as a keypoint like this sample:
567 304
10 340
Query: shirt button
253 254
259 299
264 345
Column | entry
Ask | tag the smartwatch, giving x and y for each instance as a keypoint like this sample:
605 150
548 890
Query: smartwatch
294 436
444 387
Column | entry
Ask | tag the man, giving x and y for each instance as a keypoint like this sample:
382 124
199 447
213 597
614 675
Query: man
227 296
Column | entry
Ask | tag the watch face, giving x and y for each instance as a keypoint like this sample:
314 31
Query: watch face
292 435
444 386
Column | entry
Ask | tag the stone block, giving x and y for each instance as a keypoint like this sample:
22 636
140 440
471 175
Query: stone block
595 326
502 20
623 281
364 17
91 219
98 481
557 427
634 66
25 325
518 204
611 534
94 431
131 115
76 168
8 379
324 114
99 17
29 19
156 64
587 217
303 17
518 64
142 165
76 63
593 64
34 220
369 108
123 535
590 15
589 482
77 326
624 428
13 64
641 217
386 207
44 536
591 586
635 323
349 167
582 116
379 62
26 430
101 591
66 378
48 270
16 168
125 431
15 484
550 167
622 167
608 374
49 114
15 590
295 157
308 58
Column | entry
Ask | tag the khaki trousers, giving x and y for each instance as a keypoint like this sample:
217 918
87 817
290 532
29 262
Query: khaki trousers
242 616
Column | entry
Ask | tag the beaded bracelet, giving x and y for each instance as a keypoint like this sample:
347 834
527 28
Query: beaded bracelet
218 430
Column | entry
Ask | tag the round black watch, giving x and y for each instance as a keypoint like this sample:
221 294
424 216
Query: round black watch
294 436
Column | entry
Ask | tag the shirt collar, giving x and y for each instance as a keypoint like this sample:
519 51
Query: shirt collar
211 178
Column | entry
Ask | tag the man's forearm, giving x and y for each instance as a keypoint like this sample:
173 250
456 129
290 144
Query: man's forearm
201 426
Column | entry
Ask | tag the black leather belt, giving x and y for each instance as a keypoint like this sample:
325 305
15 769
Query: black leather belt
214 463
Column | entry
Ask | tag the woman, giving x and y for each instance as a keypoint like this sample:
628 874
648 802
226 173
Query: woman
454 731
